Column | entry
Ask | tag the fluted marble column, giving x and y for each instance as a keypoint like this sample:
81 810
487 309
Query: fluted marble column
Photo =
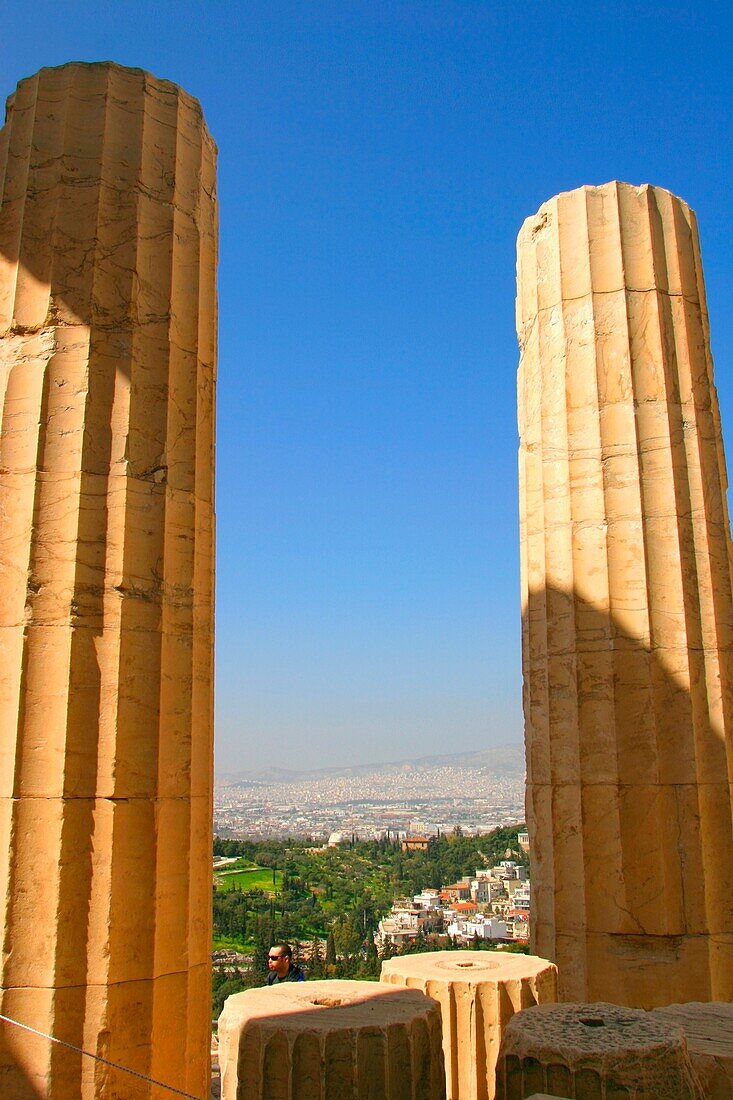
331 1040
478 993
627 606
107 362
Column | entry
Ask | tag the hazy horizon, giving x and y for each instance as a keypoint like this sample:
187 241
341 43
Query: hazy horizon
293 765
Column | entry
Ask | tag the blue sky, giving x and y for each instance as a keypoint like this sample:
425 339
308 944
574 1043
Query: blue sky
375 164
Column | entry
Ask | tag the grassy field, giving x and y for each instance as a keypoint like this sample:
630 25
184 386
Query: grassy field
250 878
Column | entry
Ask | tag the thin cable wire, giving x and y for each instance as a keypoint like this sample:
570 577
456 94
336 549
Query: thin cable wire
98 1058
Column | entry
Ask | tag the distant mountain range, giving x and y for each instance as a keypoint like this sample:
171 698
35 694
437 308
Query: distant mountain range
500 761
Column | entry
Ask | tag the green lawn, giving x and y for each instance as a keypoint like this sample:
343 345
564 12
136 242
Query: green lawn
254 878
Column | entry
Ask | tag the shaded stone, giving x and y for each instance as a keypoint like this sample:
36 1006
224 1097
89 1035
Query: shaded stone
478 993
708 1030
331 1039
605 1051
627 602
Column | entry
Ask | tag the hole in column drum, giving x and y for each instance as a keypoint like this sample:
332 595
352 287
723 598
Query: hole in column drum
592 1021
327 1002
454 964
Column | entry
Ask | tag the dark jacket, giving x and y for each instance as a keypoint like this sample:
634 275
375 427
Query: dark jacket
294 974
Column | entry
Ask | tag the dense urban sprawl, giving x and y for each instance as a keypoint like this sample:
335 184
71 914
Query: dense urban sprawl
427 800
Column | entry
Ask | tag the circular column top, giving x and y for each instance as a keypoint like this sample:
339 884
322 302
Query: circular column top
597 1028
597 1049
328 1004
472 967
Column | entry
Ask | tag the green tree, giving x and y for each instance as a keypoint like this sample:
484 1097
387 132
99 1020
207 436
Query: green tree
315 965
263 942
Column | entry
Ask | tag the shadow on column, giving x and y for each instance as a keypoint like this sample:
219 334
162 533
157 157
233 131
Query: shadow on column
628 808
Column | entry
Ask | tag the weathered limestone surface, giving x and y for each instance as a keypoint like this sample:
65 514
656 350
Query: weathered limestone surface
107 360
627 606
708 1030
594 1050
331 1040
478 993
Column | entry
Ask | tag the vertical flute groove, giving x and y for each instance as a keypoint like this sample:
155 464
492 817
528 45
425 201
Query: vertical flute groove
634 898
107 247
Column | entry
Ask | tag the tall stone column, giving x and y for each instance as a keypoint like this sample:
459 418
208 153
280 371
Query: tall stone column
107 364
627 605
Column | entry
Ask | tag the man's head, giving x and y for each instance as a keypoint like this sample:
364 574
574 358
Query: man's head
278 959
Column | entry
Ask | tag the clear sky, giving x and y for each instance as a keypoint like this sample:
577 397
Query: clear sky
376 161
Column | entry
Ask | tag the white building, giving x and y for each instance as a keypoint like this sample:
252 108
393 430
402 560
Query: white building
520 897
508 869
486 928
428 899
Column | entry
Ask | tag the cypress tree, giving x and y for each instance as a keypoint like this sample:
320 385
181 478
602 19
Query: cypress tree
261 951
315 967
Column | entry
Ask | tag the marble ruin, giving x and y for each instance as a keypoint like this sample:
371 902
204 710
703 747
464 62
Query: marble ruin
708 1030
595 1050
627 605
107 368
478 993
327 1039
107 362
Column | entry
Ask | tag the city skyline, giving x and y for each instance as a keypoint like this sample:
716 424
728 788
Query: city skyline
439 798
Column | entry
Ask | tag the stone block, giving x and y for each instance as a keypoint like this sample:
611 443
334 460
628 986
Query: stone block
478 993
594 1052
708 1030
331 1040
